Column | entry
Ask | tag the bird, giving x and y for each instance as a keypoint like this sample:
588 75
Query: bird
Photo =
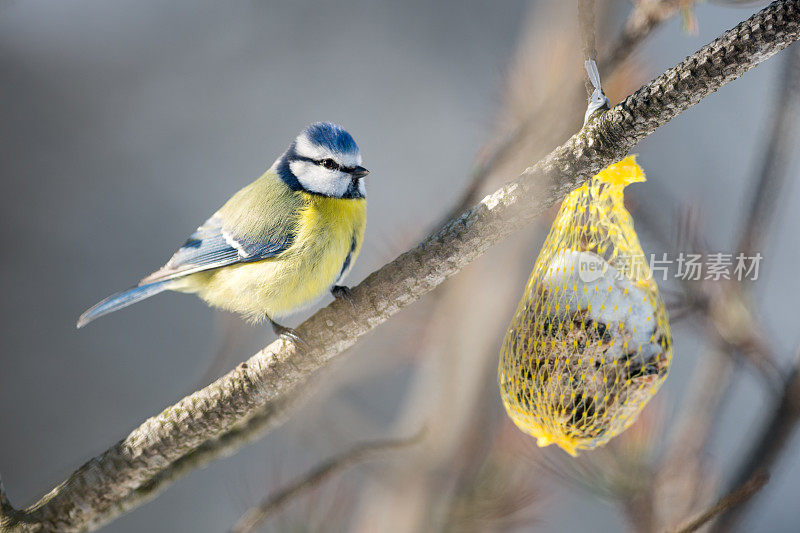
278 244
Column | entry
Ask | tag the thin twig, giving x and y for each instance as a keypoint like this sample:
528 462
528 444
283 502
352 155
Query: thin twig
280 368
586 23
255 516
770 441
646 16
734 499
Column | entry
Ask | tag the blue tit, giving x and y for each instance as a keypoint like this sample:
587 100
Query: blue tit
279 243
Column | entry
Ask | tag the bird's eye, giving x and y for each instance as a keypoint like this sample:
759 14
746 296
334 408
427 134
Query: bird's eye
330 164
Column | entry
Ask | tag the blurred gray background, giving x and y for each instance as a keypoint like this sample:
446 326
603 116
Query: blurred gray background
124 124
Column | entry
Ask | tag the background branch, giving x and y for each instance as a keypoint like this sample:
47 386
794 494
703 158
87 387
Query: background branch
586 23
735 498
280 368
770 441
255 516
646 16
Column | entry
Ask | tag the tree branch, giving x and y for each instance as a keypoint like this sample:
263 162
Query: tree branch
95 488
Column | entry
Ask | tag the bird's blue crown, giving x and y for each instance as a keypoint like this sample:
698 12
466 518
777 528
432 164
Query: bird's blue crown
331 136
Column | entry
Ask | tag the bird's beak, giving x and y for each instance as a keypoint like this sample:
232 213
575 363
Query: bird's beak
359 172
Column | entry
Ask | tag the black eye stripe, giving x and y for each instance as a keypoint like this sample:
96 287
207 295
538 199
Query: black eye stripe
321 162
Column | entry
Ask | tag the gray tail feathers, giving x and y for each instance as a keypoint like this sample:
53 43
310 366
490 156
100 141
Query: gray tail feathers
121 299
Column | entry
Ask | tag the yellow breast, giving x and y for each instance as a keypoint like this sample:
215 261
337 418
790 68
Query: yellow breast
328 230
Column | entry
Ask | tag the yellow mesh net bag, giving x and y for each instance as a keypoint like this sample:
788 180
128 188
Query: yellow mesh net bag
590 342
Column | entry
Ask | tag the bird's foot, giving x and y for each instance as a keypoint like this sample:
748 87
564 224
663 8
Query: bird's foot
288 333
342 292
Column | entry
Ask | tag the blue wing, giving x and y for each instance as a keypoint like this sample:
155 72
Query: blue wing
212 246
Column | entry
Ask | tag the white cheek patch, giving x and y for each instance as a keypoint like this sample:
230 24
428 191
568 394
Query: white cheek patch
320 180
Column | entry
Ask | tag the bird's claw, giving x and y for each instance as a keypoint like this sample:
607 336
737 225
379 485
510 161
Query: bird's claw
343 292
288 333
